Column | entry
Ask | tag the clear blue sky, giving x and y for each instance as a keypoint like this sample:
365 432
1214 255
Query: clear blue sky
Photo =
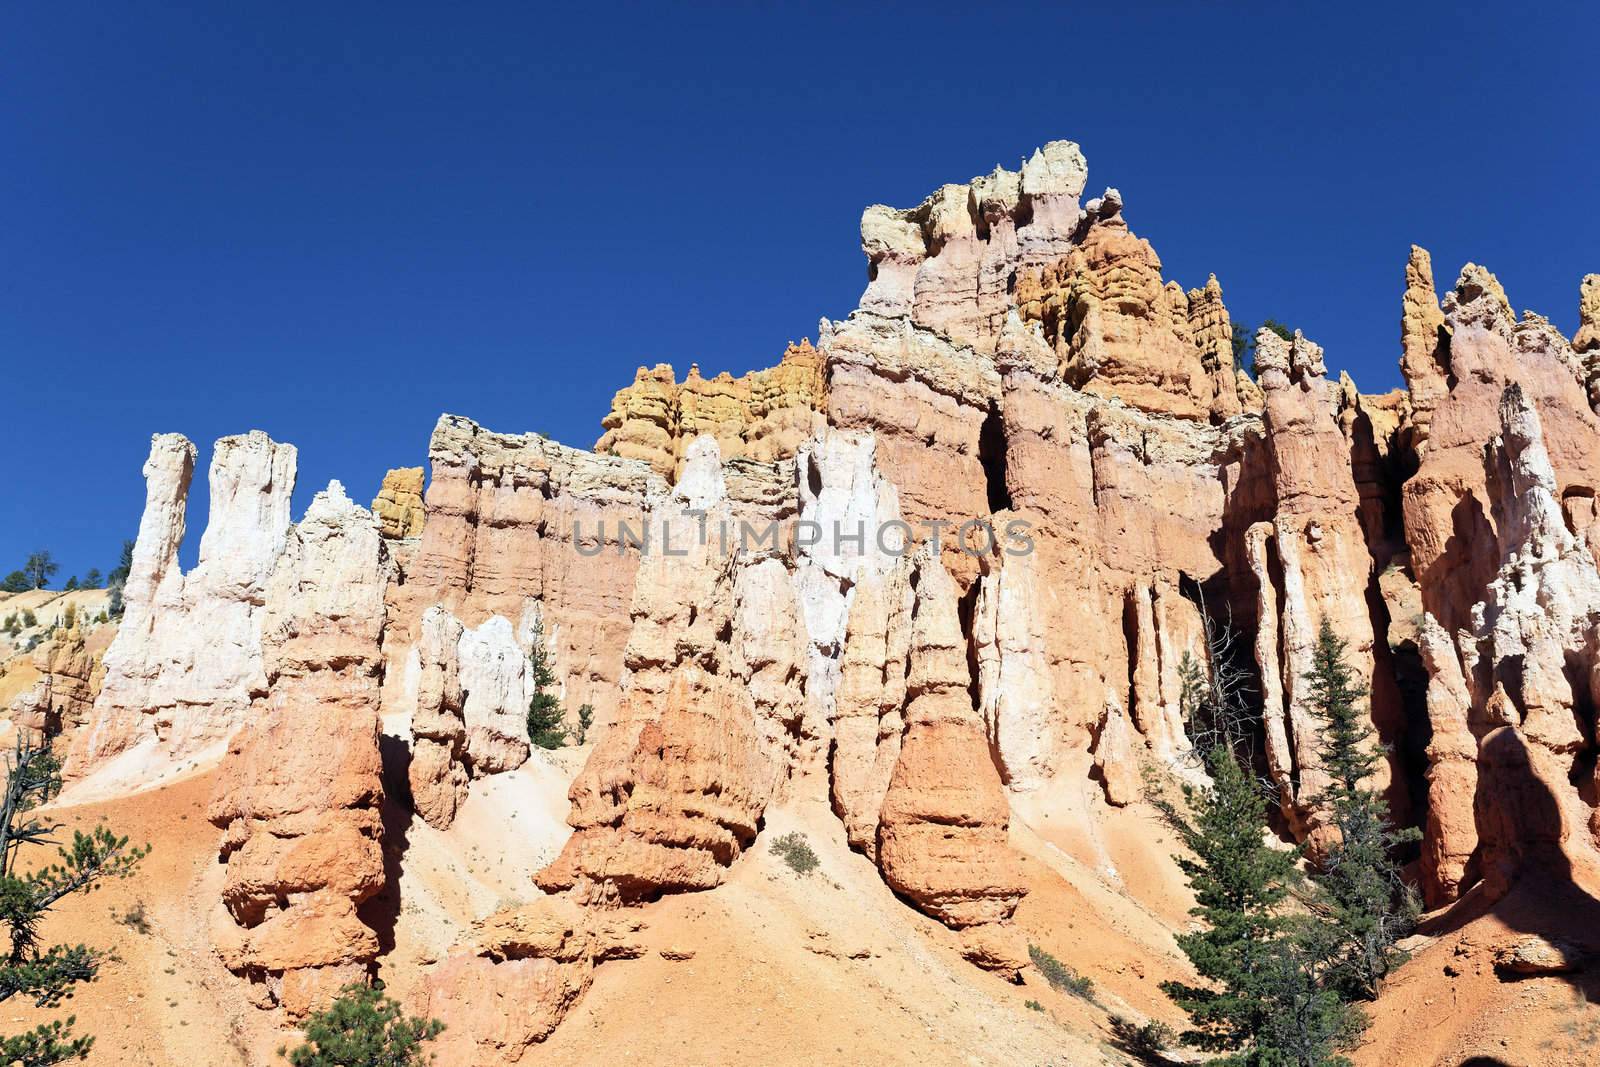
333 221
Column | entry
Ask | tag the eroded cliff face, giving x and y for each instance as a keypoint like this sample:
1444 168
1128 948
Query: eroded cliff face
763 415
1077 484
300 790
186 663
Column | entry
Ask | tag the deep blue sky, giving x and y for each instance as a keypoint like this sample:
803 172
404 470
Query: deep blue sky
334 221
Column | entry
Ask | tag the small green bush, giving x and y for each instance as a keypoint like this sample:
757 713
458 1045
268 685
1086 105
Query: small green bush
1060 976
1147 1042
1034 1005
135 919
796 852
364 1028
585 720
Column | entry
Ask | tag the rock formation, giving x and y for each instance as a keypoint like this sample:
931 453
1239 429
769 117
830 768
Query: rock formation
70 676
438 771
1120 332
398 507
960 553
763 416
186 663
513 982
300 789
942 827
516 521
1312 562
1424 344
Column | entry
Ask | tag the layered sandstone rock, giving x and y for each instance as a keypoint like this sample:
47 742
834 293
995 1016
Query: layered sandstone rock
398 507
1455 549
493 673
1016 690
1312 564
942 827
1017 361
869 715
763 415
438 772
520 526
674 790
513 981
947 264
927 401
1120 332
299 792
1532 664
186 662
1424 344
1586 342
70 676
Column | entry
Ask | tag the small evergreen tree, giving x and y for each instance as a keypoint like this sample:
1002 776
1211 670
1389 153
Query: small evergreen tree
545 727
72 584
119 578
585 720
39 569
364 1028
47 974
1244 343
119 574
15 582
1361 896
91 579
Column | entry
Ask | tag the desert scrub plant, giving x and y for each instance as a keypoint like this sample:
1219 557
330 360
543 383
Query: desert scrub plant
1033 1005
364 1028
135 918
1148 1042
1061 977
796 852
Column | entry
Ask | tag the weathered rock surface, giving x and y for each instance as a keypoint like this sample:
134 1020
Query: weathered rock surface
299 792
509 986
1018 373
1424 345
763 415
438 771
186 662
674 790
70 676
518 520
942 829
398 506
1118 331
1314 562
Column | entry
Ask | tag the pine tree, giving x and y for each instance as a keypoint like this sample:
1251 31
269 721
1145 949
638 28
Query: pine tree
585 720
545 727
39 569
47 974
364 1028
1265 1001
119 578
1366 905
